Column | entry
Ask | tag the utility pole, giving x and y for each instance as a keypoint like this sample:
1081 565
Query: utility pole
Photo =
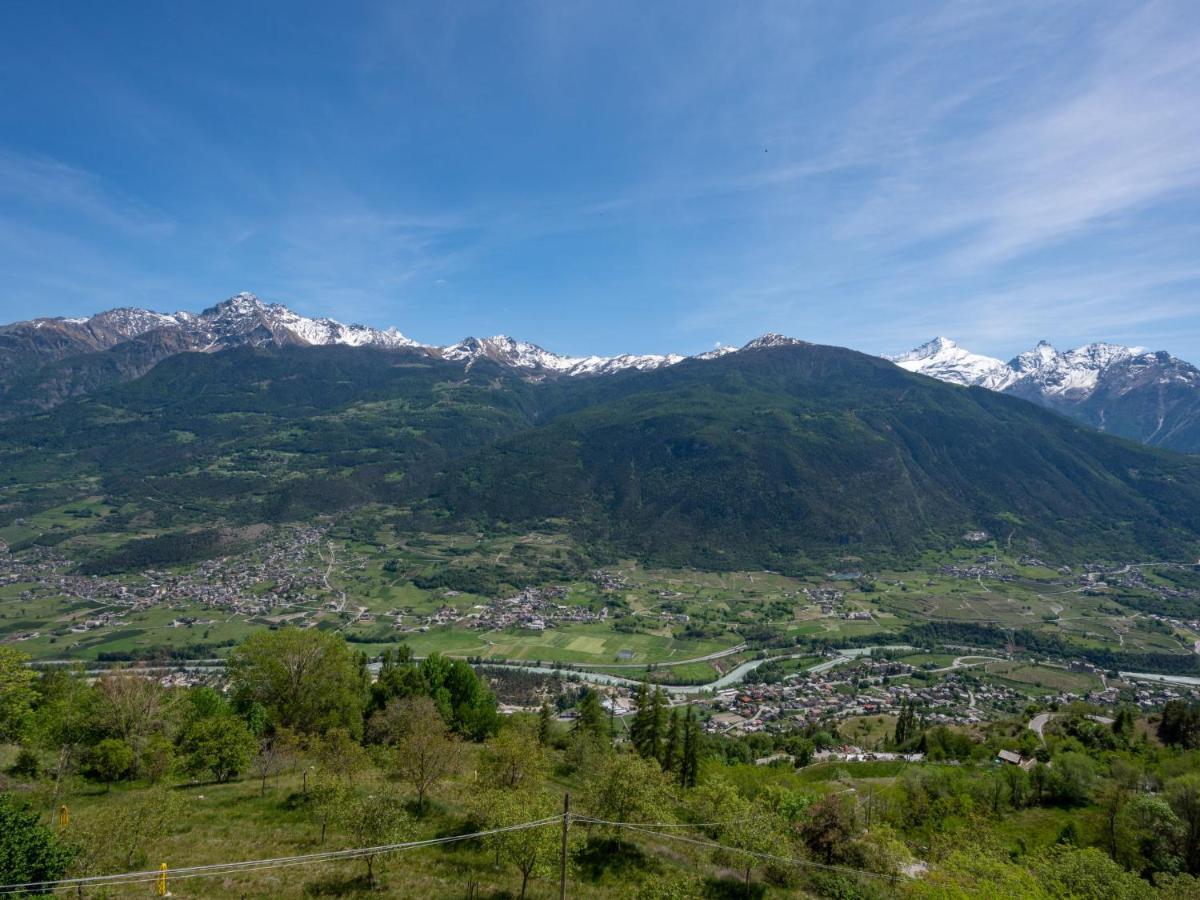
562 859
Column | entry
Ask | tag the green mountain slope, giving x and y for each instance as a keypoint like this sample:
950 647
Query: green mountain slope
779 456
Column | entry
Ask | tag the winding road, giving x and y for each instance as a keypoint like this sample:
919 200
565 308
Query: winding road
1038 723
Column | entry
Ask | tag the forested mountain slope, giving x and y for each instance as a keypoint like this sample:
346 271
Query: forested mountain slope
778 455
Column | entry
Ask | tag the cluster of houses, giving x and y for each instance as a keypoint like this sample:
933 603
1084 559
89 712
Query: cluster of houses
868 687
609 581
985 566
279 574
825 598
1146 695
532 609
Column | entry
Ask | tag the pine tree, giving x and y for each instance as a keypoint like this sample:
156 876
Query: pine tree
657 724
649 723
689 767
906 724
1123 724
545 724
671 748
639 731
591 716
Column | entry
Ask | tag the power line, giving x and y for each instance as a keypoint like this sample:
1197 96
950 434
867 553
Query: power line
257 865
590 820
715 846
213 869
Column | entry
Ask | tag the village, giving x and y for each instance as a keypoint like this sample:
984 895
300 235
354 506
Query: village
871 687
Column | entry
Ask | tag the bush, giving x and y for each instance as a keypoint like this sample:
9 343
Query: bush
109 761
29 852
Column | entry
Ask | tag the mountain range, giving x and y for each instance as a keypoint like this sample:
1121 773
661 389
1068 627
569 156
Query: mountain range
46 360
783 454
1152 397
1149 396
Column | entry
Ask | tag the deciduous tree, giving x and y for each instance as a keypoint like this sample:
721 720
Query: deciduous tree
17 693
110 760
534 851
623 787
374 817
1183 793
424 752
514 758
221 746
307 680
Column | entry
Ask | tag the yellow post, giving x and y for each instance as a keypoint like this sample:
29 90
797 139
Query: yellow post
162 880
64 816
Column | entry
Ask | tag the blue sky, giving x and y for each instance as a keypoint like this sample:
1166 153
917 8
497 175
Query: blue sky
609 177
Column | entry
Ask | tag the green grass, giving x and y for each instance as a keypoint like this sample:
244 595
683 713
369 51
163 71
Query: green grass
1042 677
223 823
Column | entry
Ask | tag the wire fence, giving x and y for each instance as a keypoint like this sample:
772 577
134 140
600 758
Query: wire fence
657 829
713 845
254 865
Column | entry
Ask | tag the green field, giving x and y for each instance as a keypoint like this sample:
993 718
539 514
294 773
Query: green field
656 616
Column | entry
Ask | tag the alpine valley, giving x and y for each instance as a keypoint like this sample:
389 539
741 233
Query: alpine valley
802 545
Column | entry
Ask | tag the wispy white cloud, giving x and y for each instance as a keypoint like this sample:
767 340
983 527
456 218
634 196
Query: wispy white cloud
42 183
1088 147
1008 172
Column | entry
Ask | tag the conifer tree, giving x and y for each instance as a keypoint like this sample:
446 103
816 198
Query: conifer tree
591 716
545 724
906 724
657 723
689 766
638 728
671 747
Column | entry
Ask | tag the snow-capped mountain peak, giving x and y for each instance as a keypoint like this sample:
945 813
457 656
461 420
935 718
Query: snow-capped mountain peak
1074 373
943 359
1046 373
524 355
771 339
246 318
506 350
717 352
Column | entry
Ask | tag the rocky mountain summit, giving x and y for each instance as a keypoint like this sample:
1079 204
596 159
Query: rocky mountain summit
1150 396
46 360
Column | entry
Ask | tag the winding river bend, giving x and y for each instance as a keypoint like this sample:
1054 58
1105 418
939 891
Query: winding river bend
732 677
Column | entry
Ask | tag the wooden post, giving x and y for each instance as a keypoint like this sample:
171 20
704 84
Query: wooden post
562 861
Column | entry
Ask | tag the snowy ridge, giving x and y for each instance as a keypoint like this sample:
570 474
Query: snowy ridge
524 355
1074 373
245 320
1071 375
944 360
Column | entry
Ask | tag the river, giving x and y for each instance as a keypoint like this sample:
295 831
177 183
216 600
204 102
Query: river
732 677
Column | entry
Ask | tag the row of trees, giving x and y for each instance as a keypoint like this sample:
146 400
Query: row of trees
287 689
672 740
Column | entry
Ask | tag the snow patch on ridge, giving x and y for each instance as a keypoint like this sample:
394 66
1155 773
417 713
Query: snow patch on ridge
944 360
1071 375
